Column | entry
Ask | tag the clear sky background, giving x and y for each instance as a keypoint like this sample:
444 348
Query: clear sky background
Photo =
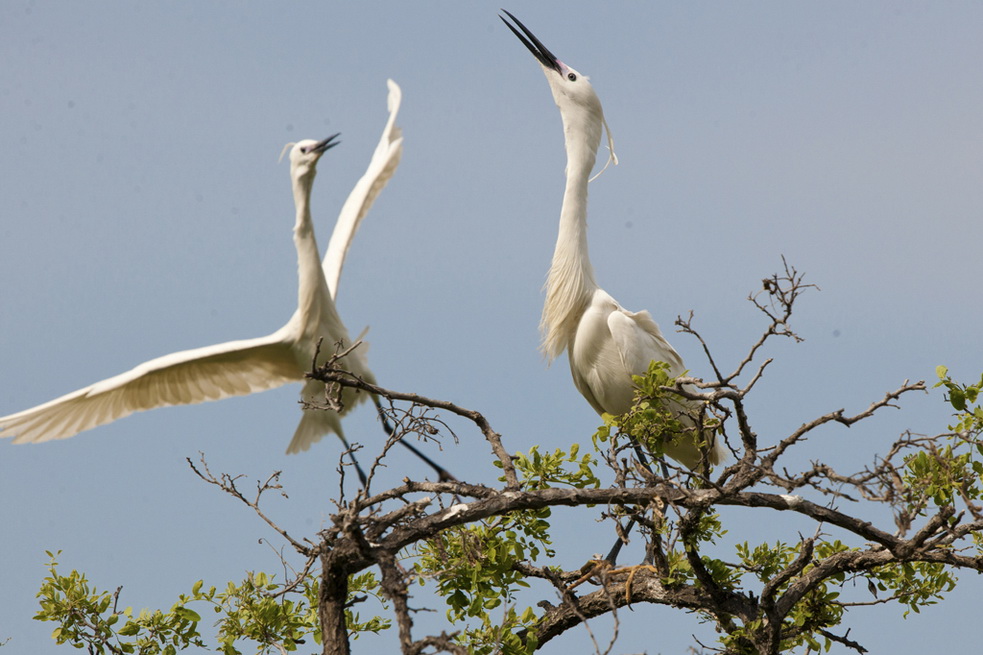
143 211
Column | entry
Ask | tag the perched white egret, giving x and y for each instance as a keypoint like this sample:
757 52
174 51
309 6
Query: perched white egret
605 343
249 366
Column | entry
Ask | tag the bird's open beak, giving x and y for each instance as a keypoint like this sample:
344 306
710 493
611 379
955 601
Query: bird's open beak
536 47
330 142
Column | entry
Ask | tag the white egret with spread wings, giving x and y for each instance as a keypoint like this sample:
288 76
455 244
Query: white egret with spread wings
249 366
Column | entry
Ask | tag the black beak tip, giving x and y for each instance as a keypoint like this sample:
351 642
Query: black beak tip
327 144
535 46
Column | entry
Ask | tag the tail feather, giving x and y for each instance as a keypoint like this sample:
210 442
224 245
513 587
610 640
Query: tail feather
314 424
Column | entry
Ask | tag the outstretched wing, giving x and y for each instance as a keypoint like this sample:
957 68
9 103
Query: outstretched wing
193 376
383 164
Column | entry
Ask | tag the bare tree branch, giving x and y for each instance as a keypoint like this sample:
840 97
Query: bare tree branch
676 512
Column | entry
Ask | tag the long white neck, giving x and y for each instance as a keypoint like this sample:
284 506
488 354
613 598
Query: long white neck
570 283
311 278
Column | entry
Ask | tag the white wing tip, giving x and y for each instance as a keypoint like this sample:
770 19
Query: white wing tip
395 95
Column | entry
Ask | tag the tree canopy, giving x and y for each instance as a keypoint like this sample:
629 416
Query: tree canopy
893 530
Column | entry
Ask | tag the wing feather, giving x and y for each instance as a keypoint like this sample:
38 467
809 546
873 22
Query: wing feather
639 341
234 368
381 168
183 378
314 424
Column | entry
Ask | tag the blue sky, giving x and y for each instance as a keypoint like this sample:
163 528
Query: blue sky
142 211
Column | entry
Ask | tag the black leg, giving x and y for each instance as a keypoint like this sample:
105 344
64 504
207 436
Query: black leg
612 555
358 469
442 474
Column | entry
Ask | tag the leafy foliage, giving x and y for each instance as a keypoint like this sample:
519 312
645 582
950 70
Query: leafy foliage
950 469
88 617
474 565
963 398
547 470
254 610
482 568
486 551
502 633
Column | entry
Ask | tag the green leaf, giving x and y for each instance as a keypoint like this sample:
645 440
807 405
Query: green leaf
131 628
186 614
957 398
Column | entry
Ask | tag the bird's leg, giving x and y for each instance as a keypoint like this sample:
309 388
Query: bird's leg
592 568
612 555
442 474
643 460
358 469
598 566
632 570
605 567
655 559
665 469
361 474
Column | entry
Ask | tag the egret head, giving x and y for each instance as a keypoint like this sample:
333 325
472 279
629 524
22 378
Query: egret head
579 105
571 90
304 154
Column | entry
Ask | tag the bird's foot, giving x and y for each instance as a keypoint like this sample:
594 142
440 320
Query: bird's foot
604 569
595 567
631 571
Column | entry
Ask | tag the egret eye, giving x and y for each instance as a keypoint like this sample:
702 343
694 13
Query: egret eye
572 77
303 150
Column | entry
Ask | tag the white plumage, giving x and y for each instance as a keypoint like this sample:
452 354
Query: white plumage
252 365
605 343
